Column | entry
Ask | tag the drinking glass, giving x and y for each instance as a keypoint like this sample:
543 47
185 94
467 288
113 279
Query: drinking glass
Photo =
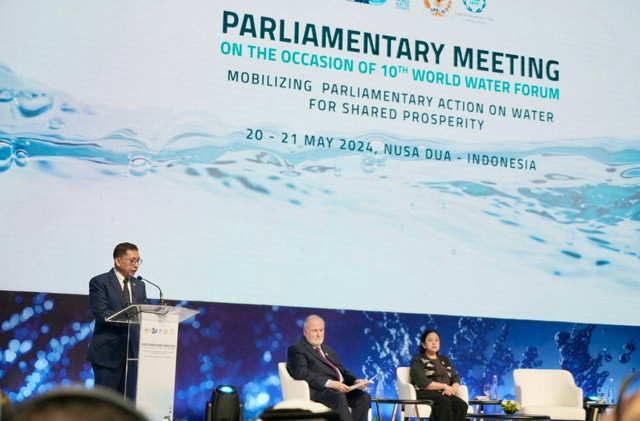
487 390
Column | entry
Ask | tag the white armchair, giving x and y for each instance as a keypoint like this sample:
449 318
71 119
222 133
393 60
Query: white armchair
406 390
297 392
294 389
548 392
305 404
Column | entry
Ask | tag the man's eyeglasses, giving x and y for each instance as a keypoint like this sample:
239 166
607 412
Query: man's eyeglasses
134 261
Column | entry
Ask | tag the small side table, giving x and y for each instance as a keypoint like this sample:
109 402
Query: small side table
402 403
596 409
481 403
528 417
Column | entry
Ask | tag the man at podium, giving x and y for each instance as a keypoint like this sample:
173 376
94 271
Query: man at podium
109 293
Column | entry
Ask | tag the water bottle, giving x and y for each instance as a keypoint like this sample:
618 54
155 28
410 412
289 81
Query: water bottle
494 388
380 386
610 395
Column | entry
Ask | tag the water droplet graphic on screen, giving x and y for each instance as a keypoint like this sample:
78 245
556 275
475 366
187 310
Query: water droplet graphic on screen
375 151
631 173
270 159
67 108
559 177
139 165
629 346
368 166
337 171
570 237
290 173
6 95
56 123
31 103
21 158
6 152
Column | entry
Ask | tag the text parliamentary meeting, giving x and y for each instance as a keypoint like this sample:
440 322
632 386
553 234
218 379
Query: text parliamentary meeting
354 41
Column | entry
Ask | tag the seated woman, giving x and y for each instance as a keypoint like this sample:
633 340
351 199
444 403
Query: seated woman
435 379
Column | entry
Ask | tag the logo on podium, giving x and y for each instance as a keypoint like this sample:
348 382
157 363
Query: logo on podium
438 7
475 6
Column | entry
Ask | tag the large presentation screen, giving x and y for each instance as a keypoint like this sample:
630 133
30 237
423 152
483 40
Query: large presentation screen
465 157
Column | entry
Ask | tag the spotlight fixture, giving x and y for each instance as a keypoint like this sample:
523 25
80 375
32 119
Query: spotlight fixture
224 405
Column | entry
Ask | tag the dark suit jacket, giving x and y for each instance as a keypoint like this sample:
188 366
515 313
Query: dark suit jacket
108 345
305 363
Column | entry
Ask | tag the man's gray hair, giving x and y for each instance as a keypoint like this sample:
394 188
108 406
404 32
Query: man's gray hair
311 316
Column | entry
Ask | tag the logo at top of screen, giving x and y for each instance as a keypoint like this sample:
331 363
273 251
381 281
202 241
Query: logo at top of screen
475 6
438 7
374 2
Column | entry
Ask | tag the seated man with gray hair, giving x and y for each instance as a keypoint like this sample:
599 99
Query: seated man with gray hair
310 360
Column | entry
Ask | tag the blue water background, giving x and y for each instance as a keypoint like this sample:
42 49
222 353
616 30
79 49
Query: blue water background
44 340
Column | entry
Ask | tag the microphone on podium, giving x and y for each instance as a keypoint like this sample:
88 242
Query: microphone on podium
140 278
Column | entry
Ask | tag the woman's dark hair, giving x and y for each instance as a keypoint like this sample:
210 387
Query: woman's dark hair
423 337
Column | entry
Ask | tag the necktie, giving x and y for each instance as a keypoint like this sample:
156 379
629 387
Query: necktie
329 362
127 292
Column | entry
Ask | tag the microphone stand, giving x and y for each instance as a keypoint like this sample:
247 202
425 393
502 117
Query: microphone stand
140 278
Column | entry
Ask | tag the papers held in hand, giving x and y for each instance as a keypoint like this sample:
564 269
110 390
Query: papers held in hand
357 385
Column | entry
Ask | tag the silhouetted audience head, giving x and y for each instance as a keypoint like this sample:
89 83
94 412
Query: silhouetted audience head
6 407
628 407
75 404
629 401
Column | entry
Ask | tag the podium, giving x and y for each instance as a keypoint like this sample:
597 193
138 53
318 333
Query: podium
156 354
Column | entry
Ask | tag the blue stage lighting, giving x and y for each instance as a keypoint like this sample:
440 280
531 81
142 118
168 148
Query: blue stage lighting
224 405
